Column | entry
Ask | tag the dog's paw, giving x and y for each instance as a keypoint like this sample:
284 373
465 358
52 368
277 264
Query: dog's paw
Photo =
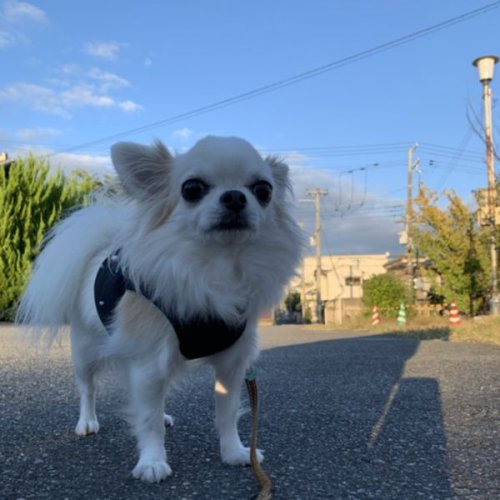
86 426
152 472
168 420
240 456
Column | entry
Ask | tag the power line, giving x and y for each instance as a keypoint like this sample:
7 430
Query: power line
460 160
312 73
456 154
372 149
350 149
452 149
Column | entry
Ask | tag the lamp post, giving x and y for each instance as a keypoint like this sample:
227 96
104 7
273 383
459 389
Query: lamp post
486 66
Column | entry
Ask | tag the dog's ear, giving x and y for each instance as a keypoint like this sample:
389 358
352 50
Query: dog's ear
279 170
143 170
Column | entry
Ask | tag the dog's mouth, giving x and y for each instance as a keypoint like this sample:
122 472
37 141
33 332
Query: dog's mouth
232 222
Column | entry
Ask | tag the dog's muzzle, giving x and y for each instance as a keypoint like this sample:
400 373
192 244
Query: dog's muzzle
233 216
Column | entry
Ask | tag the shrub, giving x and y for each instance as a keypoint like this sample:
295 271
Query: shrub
292 302
32 199
386 291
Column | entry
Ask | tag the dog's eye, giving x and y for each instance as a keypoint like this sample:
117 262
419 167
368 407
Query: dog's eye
194 190
263 191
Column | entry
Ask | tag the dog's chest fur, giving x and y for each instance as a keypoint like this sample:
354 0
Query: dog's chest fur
199 280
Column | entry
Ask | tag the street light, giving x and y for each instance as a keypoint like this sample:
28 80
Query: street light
486 66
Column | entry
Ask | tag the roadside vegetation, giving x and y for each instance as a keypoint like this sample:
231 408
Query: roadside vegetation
481 329
456 248
456 263
32 199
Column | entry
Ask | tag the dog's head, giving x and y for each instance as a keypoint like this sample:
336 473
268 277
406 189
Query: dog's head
221 189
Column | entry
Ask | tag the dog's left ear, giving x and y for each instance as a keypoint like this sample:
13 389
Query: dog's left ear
143 170
279 170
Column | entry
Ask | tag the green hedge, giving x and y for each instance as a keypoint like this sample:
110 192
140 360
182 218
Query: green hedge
386 291
32 199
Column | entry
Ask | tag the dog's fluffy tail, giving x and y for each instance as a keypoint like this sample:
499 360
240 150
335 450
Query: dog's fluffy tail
58 273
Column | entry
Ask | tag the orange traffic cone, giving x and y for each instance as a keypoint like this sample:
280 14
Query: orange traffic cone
454 315
375 316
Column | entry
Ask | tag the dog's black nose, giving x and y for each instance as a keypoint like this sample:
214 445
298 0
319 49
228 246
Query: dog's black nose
234 200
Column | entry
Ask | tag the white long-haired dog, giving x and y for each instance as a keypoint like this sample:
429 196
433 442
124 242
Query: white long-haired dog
179 270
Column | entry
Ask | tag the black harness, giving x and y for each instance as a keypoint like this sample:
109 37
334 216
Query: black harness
198 337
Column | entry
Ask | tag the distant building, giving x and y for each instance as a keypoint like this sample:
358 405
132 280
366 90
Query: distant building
421 284
5 163
342 279
398 266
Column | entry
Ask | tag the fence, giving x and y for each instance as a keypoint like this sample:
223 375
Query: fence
428 310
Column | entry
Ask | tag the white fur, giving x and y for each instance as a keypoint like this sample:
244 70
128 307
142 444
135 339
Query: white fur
170 245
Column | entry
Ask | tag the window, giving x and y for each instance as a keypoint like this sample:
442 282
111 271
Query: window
353 281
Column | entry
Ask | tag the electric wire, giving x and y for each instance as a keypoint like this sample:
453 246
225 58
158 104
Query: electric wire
292 80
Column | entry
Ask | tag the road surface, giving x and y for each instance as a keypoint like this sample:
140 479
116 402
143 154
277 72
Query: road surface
343 415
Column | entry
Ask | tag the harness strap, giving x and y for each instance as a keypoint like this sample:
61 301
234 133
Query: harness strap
198 336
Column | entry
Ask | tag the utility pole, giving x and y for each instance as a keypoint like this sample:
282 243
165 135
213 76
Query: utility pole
492 198
486 65
303 284
317 194
409 215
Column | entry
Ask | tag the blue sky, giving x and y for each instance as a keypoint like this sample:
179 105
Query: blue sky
75 73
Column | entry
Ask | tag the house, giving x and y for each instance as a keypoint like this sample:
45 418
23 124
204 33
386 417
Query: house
421 283
341 284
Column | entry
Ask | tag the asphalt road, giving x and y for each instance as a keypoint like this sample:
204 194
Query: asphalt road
342 416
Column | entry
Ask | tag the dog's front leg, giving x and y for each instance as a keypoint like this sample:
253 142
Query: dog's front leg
147 393
227 403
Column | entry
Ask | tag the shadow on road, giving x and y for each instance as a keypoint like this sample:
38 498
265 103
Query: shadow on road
339 419
350 423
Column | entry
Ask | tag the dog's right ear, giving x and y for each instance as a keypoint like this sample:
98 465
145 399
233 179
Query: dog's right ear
143 170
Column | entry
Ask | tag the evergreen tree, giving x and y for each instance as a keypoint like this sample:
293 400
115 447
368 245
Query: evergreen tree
32 199
457 249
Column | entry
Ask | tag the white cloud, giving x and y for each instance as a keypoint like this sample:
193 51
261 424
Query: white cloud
102 50
106 80
304 178
33 96
73 89
37 133
183 133
148 62
70 69
102 81
129 106
6 39
363 234
82 95
15 17
295 158
16 12
91 163
62 102
352 223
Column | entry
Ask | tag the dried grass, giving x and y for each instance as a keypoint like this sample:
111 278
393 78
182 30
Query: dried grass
482 329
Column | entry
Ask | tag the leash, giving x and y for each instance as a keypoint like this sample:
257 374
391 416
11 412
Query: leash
259 473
